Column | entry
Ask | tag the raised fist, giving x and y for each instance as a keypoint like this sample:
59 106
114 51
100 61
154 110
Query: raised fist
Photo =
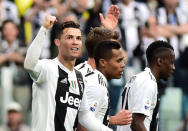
49 21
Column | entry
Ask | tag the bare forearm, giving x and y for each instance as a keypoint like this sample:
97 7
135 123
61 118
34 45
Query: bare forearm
138 122
181 29
112 121
3 58
138 126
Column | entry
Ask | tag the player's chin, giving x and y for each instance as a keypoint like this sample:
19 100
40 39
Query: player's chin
118 76
76 55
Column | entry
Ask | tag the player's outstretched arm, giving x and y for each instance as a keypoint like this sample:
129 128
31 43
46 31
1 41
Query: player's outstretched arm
111 20
33 52
123 117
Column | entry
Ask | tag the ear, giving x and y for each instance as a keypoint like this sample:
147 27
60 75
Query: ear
102 62
159 61
57 42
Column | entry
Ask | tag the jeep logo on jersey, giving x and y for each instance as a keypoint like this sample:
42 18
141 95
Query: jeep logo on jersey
72 100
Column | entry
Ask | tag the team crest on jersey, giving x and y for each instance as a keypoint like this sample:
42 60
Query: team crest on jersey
147 104
94 106
73 84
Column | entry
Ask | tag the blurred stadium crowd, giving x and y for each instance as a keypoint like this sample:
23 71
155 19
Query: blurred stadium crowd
140 23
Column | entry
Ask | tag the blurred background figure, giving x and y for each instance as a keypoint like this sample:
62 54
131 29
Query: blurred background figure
133 16
184 125
172 15
14 119
12 54
35 15
8 10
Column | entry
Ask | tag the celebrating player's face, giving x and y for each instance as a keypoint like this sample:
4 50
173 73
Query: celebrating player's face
70 43
115 65
168 66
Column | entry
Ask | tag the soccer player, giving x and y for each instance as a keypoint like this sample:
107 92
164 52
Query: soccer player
59 101
109 58
140 94
95 36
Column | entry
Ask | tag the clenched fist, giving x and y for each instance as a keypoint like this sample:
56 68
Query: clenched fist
123 117
49 21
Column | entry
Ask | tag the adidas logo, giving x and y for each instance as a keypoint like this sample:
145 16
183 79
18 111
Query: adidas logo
64 81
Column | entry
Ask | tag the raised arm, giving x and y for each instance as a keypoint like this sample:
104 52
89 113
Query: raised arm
33 52
111 20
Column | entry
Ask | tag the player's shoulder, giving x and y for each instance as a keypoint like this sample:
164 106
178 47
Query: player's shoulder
80 66
146 75
142 79
46 62
84 68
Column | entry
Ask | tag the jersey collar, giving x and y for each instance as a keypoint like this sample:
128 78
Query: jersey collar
63 67
147 69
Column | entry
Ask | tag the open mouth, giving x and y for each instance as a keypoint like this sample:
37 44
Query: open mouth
74 49
121 72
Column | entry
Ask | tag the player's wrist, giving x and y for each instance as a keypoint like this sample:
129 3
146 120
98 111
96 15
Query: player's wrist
112 120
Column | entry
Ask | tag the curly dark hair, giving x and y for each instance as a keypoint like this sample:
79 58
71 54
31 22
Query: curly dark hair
97 35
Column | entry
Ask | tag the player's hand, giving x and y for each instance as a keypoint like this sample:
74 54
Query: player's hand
111 20
123 117
16 57
49 21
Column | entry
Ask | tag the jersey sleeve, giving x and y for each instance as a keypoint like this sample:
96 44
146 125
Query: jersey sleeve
90 122
140 97
39 73
94 101
32 64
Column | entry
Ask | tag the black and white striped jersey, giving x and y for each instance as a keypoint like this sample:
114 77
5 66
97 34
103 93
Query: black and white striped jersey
140 96
97 95
96 91
84 68
57 97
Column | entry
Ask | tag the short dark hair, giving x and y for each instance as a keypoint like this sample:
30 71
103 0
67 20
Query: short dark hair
67 24
155 48
96 35
8 21
4 24
103 50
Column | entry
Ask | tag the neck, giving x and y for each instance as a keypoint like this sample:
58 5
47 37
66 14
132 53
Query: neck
103 72
170 10
127 2
67 62
155 72
91 62
10 42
